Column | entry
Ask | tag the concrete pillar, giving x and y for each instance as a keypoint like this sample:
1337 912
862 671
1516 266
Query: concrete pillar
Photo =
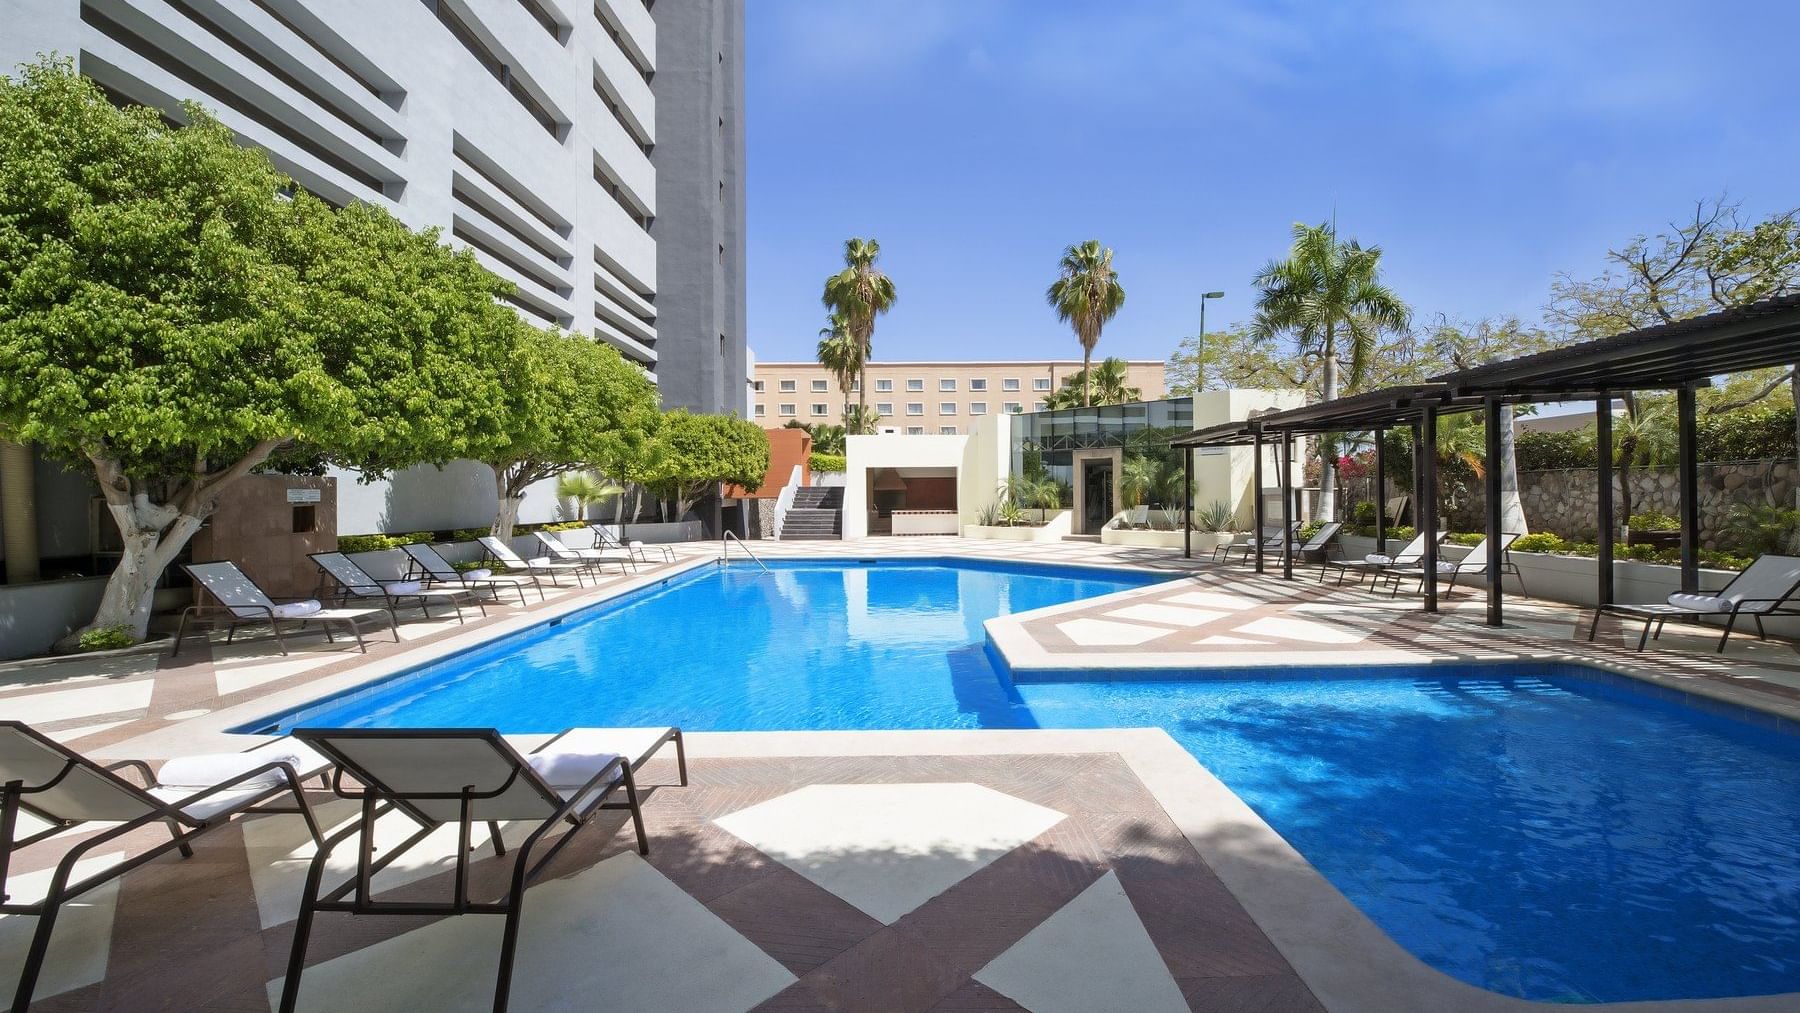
18 513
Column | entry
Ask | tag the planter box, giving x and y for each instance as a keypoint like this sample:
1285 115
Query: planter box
1146 538
1005 534
1575 579
35 616
669 531
827 478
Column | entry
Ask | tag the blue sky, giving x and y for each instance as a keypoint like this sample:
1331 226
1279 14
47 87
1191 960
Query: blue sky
1485 147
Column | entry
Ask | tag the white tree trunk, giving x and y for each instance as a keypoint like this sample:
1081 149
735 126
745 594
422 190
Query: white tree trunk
508 513
1326 508
1512 505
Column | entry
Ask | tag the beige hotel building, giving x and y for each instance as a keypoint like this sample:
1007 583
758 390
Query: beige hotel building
921 398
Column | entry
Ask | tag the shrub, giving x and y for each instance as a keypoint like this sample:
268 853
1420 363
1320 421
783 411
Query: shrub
368 543
1363 515
1540 451
563 526
1762 529
107 638
1759 431
1403 533
468 534
1213 517
1540 541
1309 529
1470 539
827 462
1651 520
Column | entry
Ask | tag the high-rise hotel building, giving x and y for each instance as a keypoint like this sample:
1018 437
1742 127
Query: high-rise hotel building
590 152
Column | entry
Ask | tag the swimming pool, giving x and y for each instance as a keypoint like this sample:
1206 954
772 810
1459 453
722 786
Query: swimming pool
1550 832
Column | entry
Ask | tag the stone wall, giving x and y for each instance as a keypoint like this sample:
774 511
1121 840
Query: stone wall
1567 502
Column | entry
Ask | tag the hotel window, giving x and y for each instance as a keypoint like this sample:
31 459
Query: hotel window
915 385
915 430
1038 407
761 385
977 407
978 385
946 407
786 409
883 386
787 386
761 410
946 386
821 409
946 430
884 407
915 408
1012 407
819 386
1040 383
856 385
1009 384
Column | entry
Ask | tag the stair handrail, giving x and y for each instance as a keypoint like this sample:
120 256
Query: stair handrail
784 500
725 549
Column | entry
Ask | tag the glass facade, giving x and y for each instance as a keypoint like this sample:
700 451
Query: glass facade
1044 445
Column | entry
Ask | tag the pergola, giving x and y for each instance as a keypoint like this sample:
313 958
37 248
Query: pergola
1681 356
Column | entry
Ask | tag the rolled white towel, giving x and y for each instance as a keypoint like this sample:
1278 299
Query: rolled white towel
204 770
297 609
478 574
1378 558
403 586
1700 602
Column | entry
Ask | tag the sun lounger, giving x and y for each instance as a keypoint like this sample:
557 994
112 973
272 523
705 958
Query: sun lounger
636 745
1474 564
355 582
242 603
1376 563
454 777
502 553
1320 542
606 536
1767 588
190 795
428 564
595 558
1271 543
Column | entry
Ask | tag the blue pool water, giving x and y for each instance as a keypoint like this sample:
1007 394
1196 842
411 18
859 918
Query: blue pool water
1543 831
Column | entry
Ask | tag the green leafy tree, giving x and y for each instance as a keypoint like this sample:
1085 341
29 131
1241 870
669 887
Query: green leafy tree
691 455
1086 295
1461 346
860 293
570 402
1328 294
1109 382
841 354
171 319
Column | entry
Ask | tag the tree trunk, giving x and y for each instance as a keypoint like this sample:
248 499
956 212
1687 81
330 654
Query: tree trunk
1512 505
510 498
153 534
1087 375
1326 508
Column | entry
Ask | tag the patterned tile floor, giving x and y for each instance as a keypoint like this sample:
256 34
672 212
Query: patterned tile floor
1029 879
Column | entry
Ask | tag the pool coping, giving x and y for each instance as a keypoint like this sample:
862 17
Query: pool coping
1342 955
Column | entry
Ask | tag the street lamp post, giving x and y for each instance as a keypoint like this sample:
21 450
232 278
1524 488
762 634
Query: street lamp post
1200 360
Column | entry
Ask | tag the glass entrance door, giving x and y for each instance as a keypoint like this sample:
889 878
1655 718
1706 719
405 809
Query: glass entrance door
1096 495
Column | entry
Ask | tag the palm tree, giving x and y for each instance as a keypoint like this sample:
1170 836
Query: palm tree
1325 291
860 293
1110 381
840 354
1085 296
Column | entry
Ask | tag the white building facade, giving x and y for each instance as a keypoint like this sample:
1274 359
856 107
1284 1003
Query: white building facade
524 130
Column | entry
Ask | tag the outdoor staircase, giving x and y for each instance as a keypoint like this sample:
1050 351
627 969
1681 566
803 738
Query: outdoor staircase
816 516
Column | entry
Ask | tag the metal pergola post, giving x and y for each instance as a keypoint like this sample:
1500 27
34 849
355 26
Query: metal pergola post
1426 484
1609 527
1285 479
1256 501
1187 499
1690 490
1380 491
1495 604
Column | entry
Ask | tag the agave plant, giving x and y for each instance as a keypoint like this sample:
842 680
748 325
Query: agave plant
1011 514
1214 517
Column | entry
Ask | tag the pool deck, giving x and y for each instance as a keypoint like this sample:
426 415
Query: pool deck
1041 870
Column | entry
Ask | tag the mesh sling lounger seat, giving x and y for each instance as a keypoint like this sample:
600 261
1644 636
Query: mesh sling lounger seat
1271 543
242 603
594 558
435 568
355 582
55 784
1766 588
502 553
1372 565
1474 563
454 777
607 537
1320 542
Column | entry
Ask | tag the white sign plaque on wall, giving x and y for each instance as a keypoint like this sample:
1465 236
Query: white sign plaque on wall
303 495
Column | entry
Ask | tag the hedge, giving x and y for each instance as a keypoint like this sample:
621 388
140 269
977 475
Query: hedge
1759 432
827 462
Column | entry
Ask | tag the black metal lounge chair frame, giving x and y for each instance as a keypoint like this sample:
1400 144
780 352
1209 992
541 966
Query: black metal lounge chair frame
183 829
1656 617
577 809
417 570
229 617
367 587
